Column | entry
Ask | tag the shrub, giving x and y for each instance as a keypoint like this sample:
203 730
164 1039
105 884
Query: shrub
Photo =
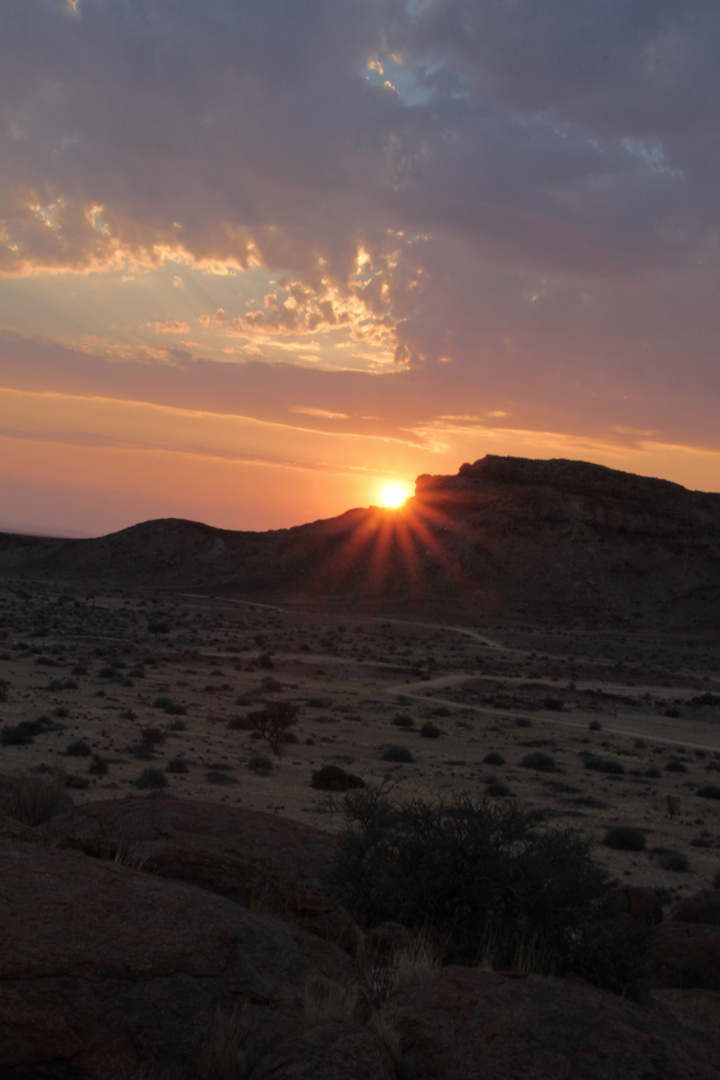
152 736
653 773
606 765
33 799
98 766
240 723
79 783
709 791
493 758
177 765
394 752
333 778
539 761
430 731
479 874
552 703
260 763
497 789
21 734
273 720
173 709
675 765
595 725
78 748
673 860
624 838
402 720
151 778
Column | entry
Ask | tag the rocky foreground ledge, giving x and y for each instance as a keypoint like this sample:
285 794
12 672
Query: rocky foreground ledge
158 939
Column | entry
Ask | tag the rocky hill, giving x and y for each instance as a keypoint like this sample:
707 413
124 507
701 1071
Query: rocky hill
504 538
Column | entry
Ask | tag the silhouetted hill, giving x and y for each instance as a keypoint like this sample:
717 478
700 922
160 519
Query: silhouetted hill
504 538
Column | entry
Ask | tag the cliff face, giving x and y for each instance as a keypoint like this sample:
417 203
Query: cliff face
575 492
583 541
505 538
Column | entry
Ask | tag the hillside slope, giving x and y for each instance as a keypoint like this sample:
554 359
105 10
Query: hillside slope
505 537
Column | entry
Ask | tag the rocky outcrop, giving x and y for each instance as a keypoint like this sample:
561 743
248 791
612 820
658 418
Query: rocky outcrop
701 907
686 948
105 971
333 1051
467 1024
249 857
129 951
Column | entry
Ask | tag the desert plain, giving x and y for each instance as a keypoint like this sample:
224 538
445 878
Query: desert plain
131 691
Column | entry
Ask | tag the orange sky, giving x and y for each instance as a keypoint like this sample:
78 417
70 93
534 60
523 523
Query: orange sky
257 261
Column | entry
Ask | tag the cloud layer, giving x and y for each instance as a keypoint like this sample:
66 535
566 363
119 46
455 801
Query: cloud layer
514 202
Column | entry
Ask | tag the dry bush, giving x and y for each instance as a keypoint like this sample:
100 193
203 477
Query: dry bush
32 799
273 720
479 875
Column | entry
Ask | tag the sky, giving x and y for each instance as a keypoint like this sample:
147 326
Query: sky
258 259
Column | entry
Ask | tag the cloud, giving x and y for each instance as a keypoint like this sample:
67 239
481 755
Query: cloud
532 197
171 326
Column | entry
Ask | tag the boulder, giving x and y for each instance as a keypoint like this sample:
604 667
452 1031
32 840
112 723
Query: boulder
634 904
686 956
105 971
695 1008
250 857
465 1024
329 1052
702 907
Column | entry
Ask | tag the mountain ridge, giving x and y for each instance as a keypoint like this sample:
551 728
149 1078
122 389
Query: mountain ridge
505 537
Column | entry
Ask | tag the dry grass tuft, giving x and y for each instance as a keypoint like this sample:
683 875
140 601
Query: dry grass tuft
32 799
326 1000
223 1057
415 963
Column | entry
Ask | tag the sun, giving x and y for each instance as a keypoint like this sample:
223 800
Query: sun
393 494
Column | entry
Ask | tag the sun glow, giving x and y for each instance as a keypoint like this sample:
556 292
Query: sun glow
393 494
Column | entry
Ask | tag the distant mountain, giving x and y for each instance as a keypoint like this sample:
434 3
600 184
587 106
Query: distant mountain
504 538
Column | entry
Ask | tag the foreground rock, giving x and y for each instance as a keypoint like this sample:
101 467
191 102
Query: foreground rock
104 970
109 973
254 858
465 1025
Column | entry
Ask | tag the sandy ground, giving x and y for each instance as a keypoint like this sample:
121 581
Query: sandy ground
147 681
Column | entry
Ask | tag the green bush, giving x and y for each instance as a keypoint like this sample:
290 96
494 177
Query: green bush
485 876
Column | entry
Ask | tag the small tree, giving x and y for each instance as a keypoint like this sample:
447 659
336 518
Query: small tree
273 720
